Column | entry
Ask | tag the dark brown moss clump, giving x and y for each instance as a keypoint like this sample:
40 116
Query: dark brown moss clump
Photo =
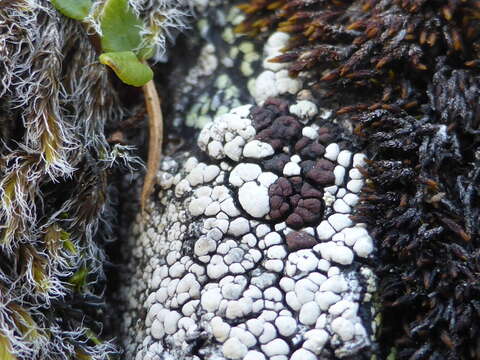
422 207
407 73
389 47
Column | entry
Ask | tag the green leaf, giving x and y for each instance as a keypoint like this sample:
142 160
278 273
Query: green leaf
79 279
92 337
75 9
120 27
6 348
70 247
146 52
127 67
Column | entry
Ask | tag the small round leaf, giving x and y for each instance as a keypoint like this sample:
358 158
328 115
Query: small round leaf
74 9
120 27
127 67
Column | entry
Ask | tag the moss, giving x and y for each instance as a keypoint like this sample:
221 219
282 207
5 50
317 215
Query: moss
406 74
58 107
389 47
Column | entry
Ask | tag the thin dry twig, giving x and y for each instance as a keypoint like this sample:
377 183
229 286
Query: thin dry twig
155 127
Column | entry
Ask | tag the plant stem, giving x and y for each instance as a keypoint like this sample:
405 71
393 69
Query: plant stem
155 127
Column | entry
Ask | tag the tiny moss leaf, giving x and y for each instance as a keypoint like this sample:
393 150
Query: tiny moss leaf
75 9
146 52
127 67
6 348
81 356
79 279
70 247
92 337
120 27
25 323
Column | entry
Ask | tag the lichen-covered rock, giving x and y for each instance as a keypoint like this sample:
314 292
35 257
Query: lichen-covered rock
248 250
215 255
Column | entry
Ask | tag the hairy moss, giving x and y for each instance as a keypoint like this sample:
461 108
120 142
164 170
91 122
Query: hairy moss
58 107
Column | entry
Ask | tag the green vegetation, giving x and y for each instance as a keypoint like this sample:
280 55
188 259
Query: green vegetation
127 67
75 9
122 44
